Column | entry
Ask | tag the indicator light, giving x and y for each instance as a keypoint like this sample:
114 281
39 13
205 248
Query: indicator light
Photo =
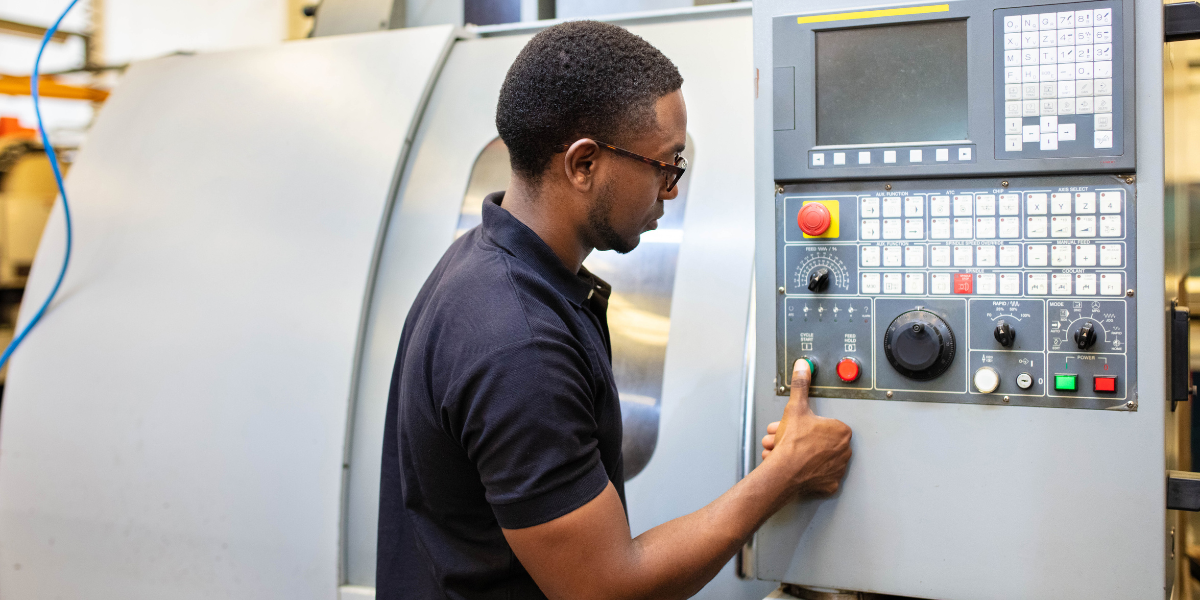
1065 383
1104 383
848 370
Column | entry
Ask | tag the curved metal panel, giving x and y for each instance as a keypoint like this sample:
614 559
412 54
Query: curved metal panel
175 427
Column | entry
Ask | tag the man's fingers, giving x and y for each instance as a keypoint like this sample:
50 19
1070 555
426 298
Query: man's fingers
773 427
768 441
801 378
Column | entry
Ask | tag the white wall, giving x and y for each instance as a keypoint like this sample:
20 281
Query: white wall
141 29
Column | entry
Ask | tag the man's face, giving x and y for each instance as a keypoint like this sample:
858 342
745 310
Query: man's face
630 194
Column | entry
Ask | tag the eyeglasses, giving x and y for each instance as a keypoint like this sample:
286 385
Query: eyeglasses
672 172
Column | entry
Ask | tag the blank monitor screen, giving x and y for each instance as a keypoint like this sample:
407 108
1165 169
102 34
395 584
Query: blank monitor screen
892 84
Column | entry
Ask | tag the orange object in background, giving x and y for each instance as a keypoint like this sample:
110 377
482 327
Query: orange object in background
11 126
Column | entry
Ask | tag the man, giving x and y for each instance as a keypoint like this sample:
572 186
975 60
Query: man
502 473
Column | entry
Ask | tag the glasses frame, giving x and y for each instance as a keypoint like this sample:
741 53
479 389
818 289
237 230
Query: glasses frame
673 172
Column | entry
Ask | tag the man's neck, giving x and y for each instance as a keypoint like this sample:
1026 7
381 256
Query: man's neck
548 217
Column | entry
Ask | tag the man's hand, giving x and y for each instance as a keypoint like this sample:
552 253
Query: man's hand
817 449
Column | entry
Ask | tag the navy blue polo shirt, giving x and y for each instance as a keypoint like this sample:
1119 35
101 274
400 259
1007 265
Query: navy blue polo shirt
503 412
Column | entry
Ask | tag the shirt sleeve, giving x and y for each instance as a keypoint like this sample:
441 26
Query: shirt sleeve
525 416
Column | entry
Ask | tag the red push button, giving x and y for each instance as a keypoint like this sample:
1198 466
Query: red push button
1104 383
963 283
848 370
814 218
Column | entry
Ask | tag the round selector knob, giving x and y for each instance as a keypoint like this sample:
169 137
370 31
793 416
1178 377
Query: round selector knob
919 345
818 280
814 218
1085 336
986 380
1004 333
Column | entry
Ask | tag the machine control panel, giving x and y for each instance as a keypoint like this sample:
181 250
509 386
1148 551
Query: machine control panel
979 291
1060 89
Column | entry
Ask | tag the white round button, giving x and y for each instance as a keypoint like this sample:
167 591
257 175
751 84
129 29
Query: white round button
987 380
1024 381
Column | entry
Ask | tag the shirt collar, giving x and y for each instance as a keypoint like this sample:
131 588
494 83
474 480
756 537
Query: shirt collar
510 234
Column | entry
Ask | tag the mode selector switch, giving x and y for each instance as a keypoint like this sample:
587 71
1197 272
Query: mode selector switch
919 345
1085 336
1004 333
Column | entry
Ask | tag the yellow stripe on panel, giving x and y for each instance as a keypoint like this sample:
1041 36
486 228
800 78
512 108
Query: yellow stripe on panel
872 14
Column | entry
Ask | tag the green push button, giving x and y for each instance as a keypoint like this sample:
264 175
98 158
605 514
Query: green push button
1065 383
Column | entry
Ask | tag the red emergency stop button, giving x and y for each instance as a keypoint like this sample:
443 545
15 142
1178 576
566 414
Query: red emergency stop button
814 218
848 370
1104 383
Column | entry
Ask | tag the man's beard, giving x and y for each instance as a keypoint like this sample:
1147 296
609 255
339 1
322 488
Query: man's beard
599 222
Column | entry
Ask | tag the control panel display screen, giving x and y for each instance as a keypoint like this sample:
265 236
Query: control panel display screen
892 84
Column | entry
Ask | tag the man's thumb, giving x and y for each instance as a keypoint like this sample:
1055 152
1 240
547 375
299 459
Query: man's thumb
797 406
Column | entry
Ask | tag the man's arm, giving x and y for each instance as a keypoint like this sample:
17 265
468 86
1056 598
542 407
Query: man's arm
590 554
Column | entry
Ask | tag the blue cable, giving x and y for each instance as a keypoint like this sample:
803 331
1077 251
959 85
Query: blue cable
61 189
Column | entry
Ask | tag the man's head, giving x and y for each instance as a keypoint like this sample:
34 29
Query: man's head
584 82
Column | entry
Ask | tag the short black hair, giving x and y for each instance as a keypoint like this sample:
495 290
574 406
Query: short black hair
579 79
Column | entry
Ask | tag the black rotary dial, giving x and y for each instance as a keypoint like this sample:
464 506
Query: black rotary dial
919 345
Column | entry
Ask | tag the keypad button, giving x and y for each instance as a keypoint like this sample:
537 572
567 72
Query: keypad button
1085 202
1012 126
985 256
1084 35
1102 52
1085 284
1084 53
914 283
939 206
1029 74
914 256
1048 125
869 207
1066 89
1030 91
1110 202
1085 226
985 228
1103 87
864 158
870 256
940 283
870 283
1010 284
1060 256
939 256
941 154
1066 19
1066 54
889 157
1036 284
1036 204
964 154
1029 22
1030 108
1031 57
893 256
839 158
1010 227
869 229
1104 105
1048 107
1083 70
914 156
962 205
1047 39
1060 284
1060 203
1012 58
1012 23
1012 41
1048 59
1036 256
1103 122
962 228
1035 227
892 206
1009 204
1066 131
818 159
1084 87
1102 16
1103 139
1048 89
1010 256
914 206
939 229
985 205
1110 255
1110 284
1060 227
964 256
914 229
1029 39
1048 21
893 283
1085 255
1110 226
1103 35
1083 106
985 283
1012 143
1048 75
1066 38
891 229
1083 18
1012 75
1049 141
1102 69
1012 91
1066 106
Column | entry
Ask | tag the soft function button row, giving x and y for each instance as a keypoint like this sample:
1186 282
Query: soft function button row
1077 226
883 157
893 283
1077 255
1064 203
1051 284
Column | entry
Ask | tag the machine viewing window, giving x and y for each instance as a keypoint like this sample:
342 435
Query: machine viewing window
894 83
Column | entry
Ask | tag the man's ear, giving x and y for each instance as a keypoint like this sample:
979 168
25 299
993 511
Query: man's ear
579 164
